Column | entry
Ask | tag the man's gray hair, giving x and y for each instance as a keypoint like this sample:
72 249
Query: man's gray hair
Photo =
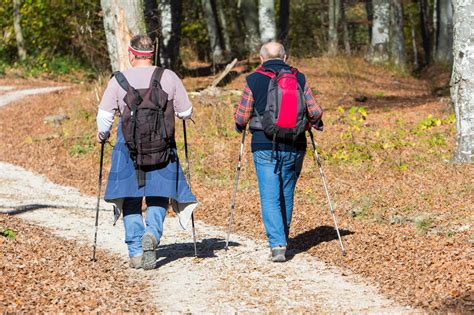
276 51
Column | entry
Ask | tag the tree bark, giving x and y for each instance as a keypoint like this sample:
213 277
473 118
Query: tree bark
249 11
444 34
332 31
122 20
266 17
397 42
345 29
379 46
283 23
413 40
462 80
370 17
221 5
20 43
425 29
152 22
213 32
170 14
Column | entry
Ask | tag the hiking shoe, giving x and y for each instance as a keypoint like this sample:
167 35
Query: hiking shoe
149 244
278 254
136 262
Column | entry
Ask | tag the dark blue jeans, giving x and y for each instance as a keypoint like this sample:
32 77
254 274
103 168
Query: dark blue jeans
276 182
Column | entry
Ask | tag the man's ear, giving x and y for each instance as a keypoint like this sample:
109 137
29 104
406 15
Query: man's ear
131 58
261 60
284 58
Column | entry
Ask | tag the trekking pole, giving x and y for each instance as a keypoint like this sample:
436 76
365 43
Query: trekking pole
231 215
103 137
318 161
188 175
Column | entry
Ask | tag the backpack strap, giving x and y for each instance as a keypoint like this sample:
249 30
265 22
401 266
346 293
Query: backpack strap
121 80
156 77
268 72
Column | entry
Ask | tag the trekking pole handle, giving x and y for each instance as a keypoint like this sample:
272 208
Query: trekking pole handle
103 136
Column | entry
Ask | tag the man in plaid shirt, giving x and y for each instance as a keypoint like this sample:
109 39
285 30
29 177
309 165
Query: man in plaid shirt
276 176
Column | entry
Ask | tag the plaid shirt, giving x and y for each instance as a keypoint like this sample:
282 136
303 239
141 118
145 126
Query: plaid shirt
244 109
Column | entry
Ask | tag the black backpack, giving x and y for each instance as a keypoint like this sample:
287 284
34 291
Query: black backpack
147 124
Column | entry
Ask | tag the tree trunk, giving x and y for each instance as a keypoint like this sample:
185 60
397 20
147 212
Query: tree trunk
462 80
283 23
223 23
397 42
266 17
425 29
345 29
444 35
413 40
379 46
122 20
152 22
20 43
249 11
170 13
237 30
370 17
332 31
213 32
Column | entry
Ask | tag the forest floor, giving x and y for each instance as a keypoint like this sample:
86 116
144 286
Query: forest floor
405 212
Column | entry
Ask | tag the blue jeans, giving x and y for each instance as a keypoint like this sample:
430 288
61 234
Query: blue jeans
276 183
133 221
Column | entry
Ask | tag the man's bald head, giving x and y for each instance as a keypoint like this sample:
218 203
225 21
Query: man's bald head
272 50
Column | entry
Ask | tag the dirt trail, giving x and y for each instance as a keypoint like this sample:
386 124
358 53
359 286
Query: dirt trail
240 280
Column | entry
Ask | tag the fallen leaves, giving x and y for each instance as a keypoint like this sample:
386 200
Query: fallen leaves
40 272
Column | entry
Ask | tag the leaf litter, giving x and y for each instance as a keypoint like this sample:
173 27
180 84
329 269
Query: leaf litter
378 202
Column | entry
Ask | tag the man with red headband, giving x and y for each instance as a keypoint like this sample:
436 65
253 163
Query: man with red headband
163 182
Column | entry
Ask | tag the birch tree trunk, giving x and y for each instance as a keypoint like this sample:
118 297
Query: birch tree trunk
122 20
462 80
266 17
397 42
170 14
20 43
284 20
213 32
444 35
379 46
249 11
332 31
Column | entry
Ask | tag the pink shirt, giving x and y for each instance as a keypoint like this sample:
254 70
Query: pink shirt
139 78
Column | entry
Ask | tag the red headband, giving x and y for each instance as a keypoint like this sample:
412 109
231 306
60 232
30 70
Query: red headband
143 53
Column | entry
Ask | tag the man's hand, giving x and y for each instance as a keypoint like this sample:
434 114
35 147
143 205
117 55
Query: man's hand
102 136
239 128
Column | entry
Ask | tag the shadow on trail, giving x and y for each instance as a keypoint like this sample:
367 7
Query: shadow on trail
205 249
306 240
27 208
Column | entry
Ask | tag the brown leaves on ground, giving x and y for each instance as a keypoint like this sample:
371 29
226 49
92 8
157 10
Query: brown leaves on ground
39 271
406 214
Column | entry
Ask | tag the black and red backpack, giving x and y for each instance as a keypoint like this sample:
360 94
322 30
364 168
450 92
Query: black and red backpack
285 117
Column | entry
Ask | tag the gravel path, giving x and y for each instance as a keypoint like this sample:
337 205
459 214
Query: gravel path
239 280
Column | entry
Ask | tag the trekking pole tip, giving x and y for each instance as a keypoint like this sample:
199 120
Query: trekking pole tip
343 253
